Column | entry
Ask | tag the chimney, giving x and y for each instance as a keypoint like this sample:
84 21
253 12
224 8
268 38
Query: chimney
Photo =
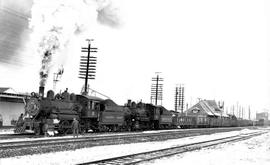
41 91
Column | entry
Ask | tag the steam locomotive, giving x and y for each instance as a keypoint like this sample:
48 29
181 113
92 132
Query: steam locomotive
93 113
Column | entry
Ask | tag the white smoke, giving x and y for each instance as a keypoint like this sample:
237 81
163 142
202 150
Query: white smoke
55 22
108 13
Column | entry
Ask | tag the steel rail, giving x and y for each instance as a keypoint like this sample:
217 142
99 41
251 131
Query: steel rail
156 154
16 136
58 141
32 135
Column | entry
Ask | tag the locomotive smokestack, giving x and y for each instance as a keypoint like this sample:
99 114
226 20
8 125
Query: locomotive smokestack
41 91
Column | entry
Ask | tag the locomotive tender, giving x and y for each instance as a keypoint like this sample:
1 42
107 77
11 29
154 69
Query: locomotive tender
99 115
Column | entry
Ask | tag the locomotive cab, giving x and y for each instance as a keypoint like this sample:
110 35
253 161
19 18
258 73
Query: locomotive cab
90 106
89 112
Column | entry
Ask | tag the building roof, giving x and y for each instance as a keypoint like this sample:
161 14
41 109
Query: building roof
7 92
209 110
2 90
207 107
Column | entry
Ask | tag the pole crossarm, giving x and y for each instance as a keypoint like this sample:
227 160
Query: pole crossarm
157 89
88 63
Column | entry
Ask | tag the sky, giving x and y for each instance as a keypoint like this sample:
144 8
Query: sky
217 49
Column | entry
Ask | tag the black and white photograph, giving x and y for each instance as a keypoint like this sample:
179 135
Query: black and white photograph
147 82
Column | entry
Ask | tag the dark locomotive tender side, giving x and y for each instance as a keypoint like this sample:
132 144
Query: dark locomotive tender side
93 113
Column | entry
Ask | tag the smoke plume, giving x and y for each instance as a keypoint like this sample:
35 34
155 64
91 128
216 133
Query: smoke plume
108 13
55 22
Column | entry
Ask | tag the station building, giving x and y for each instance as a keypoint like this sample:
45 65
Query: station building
263 118
262 115
11 105
206 108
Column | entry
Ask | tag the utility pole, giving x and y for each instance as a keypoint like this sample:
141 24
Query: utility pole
243 111
176 99
88 65
156 88
179 97
248 112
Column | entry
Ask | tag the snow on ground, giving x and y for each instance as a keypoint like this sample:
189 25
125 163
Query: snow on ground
254 151
101 152
6 131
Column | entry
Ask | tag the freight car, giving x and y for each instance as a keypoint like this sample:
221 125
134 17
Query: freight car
183 121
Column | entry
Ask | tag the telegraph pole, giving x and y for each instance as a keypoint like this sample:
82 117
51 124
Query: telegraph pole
156 88
179 98
176 99
88 65
248 112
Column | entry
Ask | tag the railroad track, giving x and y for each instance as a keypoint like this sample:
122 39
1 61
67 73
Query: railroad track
16 136
33 136
45 145
107 138
166 152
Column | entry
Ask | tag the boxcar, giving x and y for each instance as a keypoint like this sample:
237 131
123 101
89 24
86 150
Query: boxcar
186 121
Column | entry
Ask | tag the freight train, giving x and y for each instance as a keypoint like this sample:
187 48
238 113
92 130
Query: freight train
93 113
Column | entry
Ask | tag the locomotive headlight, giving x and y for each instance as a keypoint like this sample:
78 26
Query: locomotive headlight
32 107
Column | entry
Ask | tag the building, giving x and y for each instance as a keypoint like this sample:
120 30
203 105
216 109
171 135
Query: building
11 105
262 115
262 118
206 108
